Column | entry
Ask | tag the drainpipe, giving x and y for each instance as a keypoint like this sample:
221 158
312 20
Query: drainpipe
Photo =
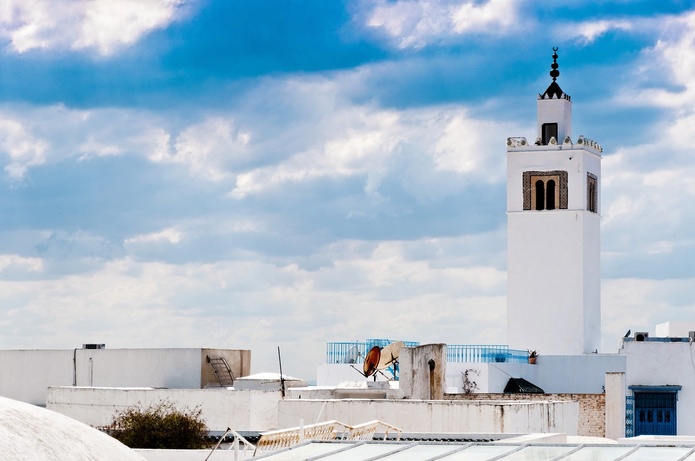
431 364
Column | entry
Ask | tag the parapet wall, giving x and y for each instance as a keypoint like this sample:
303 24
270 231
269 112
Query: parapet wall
221 408
591 411
503 417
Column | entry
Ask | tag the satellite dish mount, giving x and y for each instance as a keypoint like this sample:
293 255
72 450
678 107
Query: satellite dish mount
379 359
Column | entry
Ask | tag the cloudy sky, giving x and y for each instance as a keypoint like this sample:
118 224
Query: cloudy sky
213 173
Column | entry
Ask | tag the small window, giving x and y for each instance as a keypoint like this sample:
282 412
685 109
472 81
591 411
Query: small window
549 130
592 193
550 195
540 195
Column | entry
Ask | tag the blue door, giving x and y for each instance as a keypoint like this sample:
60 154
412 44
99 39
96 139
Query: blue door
655 413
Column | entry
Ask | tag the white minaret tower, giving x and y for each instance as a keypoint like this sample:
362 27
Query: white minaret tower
553 234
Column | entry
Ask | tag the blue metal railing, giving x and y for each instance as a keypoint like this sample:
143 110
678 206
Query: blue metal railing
355 351
473 353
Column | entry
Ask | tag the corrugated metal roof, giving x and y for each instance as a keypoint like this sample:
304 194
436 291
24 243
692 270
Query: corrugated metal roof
425 451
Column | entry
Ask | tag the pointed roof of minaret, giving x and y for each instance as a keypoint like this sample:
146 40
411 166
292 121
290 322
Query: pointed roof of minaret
554 89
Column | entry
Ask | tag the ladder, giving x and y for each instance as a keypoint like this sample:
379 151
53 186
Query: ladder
223 373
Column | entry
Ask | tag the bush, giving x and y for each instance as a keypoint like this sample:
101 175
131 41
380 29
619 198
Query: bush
160 426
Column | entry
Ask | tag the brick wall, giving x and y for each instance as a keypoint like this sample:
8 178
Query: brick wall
592 407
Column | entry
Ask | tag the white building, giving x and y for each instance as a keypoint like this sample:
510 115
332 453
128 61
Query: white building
553 209
660 380
553 234
27 374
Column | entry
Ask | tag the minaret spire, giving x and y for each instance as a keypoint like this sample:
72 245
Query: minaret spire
554 73
554 89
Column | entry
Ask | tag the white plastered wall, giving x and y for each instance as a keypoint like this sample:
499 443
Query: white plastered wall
553 270
555 111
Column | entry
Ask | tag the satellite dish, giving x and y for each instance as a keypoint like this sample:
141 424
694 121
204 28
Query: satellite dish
352 355
371 361
390 354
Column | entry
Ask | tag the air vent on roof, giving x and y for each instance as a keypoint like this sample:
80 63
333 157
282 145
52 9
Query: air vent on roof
94 346
641 336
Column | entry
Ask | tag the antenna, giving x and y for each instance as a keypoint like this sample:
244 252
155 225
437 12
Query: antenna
371 362
352 355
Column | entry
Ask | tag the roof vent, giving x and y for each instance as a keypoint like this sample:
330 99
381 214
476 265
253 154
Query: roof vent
94 346
641 336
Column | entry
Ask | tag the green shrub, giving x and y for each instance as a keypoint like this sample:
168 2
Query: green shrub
160 425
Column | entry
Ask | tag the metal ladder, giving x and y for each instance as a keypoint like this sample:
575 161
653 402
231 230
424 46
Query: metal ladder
223 373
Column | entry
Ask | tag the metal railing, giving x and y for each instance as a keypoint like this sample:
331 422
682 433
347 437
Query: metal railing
355 351
329 430
473 353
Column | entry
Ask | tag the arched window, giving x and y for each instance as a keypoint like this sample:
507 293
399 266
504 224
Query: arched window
540 195
545 190
550 195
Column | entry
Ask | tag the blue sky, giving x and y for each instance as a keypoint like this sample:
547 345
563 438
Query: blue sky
182 173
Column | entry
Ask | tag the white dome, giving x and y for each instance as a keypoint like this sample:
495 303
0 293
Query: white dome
31 433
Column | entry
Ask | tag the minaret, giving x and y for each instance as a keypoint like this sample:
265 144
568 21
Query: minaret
553 233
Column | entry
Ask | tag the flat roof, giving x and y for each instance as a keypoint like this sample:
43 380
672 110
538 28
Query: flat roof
476 451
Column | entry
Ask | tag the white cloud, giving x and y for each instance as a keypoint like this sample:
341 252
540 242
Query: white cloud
483 17
361 141
588 31
22 147
102 25
664 76
170 235
648 188
210 149
361 146
372 290
459 147
326 137
416 24
9 262
33 136
93 148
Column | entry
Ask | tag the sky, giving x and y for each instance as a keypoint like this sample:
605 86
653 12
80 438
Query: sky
277 173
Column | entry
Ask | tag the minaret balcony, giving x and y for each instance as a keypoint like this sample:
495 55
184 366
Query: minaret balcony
520 143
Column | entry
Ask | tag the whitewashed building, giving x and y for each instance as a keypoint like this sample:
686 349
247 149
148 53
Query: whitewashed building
553 297
553 233
27 374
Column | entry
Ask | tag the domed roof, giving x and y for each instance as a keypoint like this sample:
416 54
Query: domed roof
31 433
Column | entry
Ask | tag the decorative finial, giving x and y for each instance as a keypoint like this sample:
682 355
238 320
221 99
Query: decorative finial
554 73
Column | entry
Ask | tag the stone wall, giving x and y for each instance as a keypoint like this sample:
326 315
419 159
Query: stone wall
592 407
